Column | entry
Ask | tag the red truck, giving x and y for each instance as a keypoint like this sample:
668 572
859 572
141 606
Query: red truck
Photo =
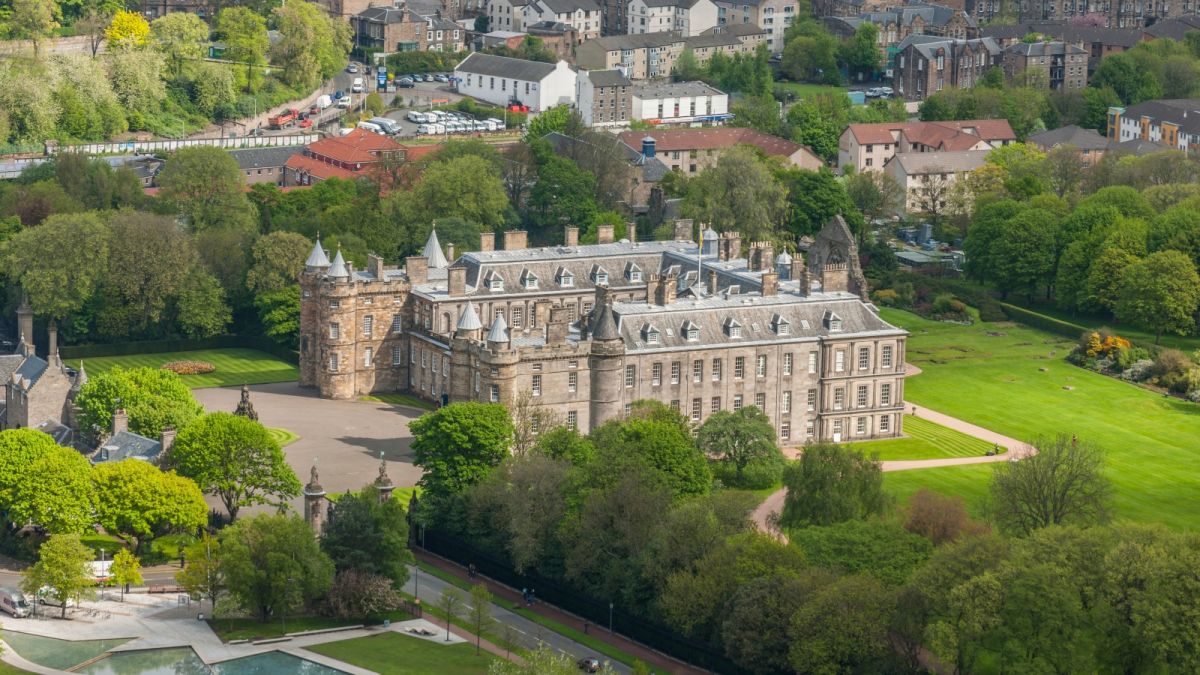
283 119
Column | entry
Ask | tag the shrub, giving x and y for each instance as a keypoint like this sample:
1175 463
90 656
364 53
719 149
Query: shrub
757 475
991 311
1170 363
1138 371
360 595
189 367
887 297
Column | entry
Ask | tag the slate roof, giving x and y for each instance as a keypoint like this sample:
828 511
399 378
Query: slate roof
1137 146
32 369
931 15
608 78
260 158
1184 112
503 66
667 140
682 4
1044 49
737 29
674 89
317 257
8 365
499 330
927 45
1175 29
469 319
433 251
919 163
571 6
1073 135
126 445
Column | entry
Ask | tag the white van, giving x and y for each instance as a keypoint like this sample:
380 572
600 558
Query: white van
416 117
438 128
499 124
323 101
344 102
357 87
371 126
13 602
425 129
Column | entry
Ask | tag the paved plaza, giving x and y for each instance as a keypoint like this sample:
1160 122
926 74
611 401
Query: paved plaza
344 437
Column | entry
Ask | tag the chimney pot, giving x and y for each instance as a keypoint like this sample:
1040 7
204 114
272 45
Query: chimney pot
120 421
457 282
515 240
487 241
604 234
570 235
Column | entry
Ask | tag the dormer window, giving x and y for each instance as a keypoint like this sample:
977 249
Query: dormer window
650 334
633 273
732 328
832 321
529 280
782 325
690 331
495 282
599 275
565 278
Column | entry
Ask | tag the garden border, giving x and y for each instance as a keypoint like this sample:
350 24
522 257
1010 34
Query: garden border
181 345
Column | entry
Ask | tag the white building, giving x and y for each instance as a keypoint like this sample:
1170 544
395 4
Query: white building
507 15
929 177
680 103
685 17
773 16
500 80
518 15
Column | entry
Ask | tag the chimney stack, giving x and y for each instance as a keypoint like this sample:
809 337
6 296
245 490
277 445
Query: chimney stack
487 241
417 269
558 326
570 236
375 266
456 282
25 323
52 348
604 234
653 281
515 240
712 282
683 229
120 421
770 283
167 439
798 271
631 232
666 290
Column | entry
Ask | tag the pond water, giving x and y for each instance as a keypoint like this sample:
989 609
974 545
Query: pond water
55 653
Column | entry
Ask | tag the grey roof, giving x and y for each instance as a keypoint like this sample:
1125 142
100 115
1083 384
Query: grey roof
337 270
1044 49
1138 146
603 323
674 89
8 365
916 163
1176 28
1184 112
268 157
503 66
737 29
32 369
499 330
433 251
469 319
126 445
317 257
1073 135
931 15
928 44
608 78
653 169
570 6
385 14
548 28
81 377
683 4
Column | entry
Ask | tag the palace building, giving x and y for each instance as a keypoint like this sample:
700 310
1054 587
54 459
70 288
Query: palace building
587 330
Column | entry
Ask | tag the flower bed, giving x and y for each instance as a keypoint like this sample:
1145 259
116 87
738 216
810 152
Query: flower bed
189 367
1167 370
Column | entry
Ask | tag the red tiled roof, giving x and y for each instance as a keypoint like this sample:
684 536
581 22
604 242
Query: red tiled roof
317 168
358 146
668 140
950 135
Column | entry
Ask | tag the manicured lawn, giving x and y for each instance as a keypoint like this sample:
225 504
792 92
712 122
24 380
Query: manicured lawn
990 374
283 436
399 399
926 440
393 652
96 541
804 89
234 366
253 629
969 482
1187 343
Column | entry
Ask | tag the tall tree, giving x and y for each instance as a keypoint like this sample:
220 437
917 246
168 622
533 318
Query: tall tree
60 263
830 484
35 20
1161 292
235 459
139 500
738 193
278 260
65 566
1063 483
206 186
368 536
127 30
245 37
451 604
314 45
742 438
181 37
154 399
19 448
55 492
204 575
459 444
844 628
273 564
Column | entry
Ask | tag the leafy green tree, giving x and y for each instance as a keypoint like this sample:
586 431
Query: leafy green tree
126 570
831 484
861 52
560 118
235 459
738 193
567 444
181 37
465 187
55 492
972 612
743 438
875 193
810 53
451 603
278 260
136 498
153 398
1104 281
519 506
214 91
755 630
881 549
1063 483
663 447
60 263
1160 292
479 613
815 198
137 80
1024 252
818 122
273 565
687 67
1127 78
245 37
127 30
65 566
19 448
206 186
459 444
366 535
30 109
844 628
279 312
34 20
563 192
313 45
204 575
202 308
758 112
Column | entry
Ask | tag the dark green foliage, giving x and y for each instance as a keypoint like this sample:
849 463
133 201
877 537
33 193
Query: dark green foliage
878 548
368 536
831 484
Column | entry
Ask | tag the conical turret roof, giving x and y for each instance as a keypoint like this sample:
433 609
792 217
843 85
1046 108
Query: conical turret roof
499 331
433 251
337 269
783 259
469 319
317 257
604 325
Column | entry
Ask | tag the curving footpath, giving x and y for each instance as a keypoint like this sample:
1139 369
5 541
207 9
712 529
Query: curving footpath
773 504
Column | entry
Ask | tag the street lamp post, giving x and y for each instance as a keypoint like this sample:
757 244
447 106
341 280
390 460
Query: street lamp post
610 612
417 581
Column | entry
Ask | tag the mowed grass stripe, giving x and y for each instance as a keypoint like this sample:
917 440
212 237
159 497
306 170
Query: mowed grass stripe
926 440
1015 380
233 366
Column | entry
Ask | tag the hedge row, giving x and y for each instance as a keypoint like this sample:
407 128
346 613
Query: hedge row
161 346
1046 323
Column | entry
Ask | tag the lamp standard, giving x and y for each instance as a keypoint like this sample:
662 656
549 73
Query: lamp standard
610 613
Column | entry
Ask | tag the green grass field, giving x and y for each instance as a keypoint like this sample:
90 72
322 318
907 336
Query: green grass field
282 436
804 89
1186 343
991 375
395 653
234 366
926 440
399 399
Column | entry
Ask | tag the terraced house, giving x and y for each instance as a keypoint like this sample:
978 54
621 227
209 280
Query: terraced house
587 330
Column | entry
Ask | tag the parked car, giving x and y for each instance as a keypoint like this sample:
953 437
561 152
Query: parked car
589 664
352 68
886 90
389 126
13 602
337 95
429 78
405 83
306 123
369 126
441 78
345 102
357 87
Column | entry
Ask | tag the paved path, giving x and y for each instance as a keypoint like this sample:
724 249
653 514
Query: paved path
773 504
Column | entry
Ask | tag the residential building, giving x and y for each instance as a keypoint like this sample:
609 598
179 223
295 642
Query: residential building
772 17
927 64
559 38
897 23
398 28
266 164
1171 123
693 150
583 16
501 38
642 174
39 393
868 147
928 178
500 80
507 15
685 17
652 55
587 330
358 153
1098 42
604 98
1090 144
1120 13
680 103
1056 66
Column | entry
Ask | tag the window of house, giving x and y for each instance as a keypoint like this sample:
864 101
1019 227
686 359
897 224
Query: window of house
760 400
674 372
785 430
675 404
739 367
518 317
335 304
494 393
572 420
885 423
885 358
737 402
691 332
839 398
716 370
716 404
860 397
760 368
656 374
368 357
368 325
333 363
536 385
785 402
860 426
839 361
885 394
695 410
433 363
810 429
396 356
697 370
630 376
572 382
566 279
396 323
812 362
335 331
787 363
531 282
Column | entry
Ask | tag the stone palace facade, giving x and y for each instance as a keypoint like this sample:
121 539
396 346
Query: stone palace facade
587 330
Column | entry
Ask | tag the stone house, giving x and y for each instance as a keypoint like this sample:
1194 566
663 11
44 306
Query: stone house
772 17
399 28
604 98
39 393
685 17
929 177
1057 66
868 147
927 64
